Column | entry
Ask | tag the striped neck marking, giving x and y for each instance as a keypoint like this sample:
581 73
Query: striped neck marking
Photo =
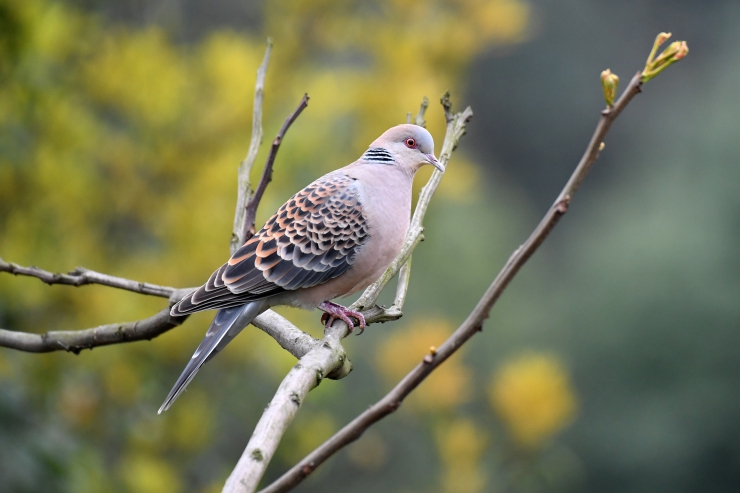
378 155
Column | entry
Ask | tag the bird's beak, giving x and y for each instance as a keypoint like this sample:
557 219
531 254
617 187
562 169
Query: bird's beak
434 162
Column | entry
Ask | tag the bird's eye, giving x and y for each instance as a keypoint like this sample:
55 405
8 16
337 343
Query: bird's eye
411 143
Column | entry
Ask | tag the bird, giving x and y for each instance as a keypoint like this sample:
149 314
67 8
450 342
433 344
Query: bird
331 239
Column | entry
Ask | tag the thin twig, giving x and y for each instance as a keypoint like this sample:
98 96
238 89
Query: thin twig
244 191
404 274
419 120
474 322
81 277
251 207
327 358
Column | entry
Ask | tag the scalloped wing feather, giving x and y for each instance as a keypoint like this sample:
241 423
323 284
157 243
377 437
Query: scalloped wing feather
311 239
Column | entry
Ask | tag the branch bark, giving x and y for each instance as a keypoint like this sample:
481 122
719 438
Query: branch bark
328 358
474 323
75 341
244 192
81 277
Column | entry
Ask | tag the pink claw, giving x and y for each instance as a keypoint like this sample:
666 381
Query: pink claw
334 311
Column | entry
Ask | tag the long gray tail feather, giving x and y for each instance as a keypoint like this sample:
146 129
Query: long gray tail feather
227 323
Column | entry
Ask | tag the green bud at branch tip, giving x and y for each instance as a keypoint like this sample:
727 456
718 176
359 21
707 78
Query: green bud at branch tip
609 82
675 52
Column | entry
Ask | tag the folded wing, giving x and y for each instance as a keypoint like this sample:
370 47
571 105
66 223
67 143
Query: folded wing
311 239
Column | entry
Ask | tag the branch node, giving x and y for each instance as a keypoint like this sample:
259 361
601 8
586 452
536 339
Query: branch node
307 468
562 205
447 106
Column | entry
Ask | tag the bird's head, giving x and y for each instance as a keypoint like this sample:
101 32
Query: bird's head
408 146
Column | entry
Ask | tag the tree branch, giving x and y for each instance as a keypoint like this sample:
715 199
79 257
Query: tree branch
254 202
290 337
419 120
328 358
75 341
81 277
473 324
244 191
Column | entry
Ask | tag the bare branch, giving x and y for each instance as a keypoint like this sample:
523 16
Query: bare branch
473 324
419 120
75 341
254 202
302 378
290 337
244 191
404 276
81 277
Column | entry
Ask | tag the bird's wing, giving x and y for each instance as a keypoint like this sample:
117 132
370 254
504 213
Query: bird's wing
312 238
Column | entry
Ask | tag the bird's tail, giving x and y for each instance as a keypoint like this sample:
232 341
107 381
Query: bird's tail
227 323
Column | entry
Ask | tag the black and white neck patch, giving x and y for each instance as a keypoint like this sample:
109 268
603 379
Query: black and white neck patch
378 155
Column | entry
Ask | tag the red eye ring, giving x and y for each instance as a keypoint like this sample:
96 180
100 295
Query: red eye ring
411 143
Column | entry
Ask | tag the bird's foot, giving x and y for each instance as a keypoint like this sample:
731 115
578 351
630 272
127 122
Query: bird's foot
333 311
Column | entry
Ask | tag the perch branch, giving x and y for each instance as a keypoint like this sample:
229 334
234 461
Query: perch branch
291 338
328 358
473 324
254 202
244 191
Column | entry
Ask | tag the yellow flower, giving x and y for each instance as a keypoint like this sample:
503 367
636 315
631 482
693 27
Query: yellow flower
144 473
190 426
461 445
533 396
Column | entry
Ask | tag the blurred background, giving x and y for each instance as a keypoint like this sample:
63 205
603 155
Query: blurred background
611 362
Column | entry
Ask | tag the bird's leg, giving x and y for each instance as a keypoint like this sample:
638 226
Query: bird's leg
333 311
